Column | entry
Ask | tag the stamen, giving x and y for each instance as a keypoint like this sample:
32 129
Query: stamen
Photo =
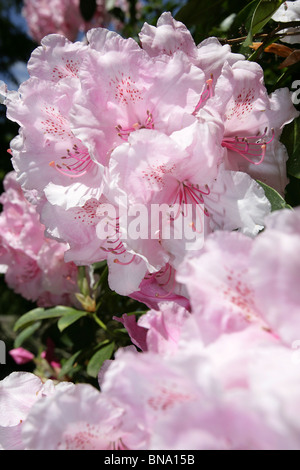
169 276
206 192
117 261
252 146
80 162
189 193
208 93
162 271
171 291
124 133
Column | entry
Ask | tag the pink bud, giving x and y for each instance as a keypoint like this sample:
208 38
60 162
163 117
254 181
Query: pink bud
21 355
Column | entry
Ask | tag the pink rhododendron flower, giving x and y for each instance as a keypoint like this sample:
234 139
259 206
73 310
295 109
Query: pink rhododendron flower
212 384
170 36
164 327
110 132
137 334
18 393
220 376
274 270
104 111
199 391
33 265
159 329
59 16
235 89
232 200
80 418
155 288
237 281
253 124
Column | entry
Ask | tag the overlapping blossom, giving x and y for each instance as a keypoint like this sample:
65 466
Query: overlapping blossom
222 376
33 265
60 16
147 155
115 128
18 392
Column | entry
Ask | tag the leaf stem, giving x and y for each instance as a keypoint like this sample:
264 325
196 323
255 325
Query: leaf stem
274 33
99 322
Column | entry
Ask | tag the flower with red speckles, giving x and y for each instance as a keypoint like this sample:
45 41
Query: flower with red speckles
116 125
80 418
253 121
220 376
33 265
177 183
237 281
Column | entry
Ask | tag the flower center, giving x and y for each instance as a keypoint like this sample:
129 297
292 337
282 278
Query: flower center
124 132
75 164
189 194
251 147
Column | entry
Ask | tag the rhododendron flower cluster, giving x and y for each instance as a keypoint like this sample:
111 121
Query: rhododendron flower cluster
220 376
34 265
150 163
60 16
114 127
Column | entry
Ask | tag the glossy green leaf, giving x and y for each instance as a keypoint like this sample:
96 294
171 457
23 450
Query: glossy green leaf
69 365
69 319
42 314
26 333
98 358
263 13
277 201
261 16
244 17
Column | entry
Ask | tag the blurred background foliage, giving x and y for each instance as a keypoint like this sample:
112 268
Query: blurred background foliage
237 23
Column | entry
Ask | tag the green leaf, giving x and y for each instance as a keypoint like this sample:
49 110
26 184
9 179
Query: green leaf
261 16
263 13
70 318
99 265
98 358
42 314
26 333
277 201
244 17
291 139
68 365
